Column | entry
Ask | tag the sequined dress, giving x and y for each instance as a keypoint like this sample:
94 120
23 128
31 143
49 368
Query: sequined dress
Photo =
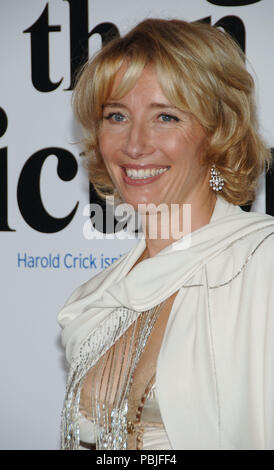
151 431
111 401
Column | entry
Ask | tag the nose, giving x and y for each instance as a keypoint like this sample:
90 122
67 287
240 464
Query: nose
138 141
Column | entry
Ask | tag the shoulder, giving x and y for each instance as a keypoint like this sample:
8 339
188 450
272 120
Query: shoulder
83 295
94 283
252 252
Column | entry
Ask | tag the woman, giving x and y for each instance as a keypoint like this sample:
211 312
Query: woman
171 347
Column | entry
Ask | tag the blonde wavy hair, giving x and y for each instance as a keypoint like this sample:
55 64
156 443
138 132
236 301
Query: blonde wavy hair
201 70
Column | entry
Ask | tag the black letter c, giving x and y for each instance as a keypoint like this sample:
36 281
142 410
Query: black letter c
28 191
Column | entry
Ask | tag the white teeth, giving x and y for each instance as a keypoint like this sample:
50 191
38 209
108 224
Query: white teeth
143 174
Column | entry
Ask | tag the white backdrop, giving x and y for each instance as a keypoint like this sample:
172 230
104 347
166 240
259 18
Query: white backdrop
33 369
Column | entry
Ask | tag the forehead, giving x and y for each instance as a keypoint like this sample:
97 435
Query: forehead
144 83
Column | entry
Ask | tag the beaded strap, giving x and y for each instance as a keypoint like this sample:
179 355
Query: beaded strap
137 426
110 433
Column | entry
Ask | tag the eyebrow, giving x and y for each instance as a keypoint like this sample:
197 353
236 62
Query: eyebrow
152 105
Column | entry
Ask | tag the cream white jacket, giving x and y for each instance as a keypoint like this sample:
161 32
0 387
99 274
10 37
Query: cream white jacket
215 369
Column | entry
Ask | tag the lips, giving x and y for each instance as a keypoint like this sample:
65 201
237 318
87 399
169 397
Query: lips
144 167
138 182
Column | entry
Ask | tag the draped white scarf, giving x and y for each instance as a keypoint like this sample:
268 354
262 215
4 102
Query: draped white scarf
156 278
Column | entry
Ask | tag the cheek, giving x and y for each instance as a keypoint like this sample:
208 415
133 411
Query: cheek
108 153
179 149
186 149
105 147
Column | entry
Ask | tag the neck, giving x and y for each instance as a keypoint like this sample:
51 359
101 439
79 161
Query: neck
165 227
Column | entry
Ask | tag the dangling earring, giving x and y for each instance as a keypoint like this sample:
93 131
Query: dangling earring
216 181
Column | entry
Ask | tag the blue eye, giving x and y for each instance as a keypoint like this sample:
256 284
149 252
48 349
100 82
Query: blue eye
117 117
169 118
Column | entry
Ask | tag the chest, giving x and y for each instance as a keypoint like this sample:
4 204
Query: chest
115 388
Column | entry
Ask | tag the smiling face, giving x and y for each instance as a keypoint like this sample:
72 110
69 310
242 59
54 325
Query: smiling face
151 149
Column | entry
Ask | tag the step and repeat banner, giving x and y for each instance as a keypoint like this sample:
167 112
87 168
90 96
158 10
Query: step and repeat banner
44 190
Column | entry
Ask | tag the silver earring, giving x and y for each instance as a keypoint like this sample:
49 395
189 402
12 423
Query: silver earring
216 181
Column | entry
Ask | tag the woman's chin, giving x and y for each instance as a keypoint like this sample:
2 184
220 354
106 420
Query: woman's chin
142 204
